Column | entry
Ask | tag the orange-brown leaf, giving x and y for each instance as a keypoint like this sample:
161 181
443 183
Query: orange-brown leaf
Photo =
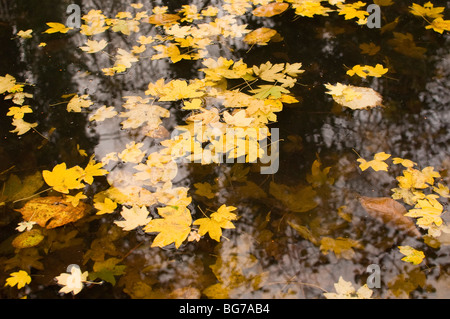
270 9
163 19
52 211
389 212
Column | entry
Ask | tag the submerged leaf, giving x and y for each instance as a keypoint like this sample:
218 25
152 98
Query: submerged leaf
342 247
28 239
15 189
390 212
296 199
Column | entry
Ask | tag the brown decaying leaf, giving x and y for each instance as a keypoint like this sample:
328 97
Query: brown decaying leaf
52 211
390 212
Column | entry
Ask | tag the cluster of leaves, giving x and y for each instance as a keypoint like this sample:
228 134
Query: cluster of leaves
416 188
429 11
15 92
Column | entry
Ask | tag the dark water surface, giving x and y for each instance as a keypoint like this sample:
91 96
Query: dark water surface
264 256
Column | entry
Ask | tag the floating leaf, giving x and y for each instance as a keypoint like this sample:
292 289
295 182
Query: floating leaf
411 255
270 9
354 97
377 163
260 36
52 211
72 282
56 27
19 278
163 19
174 227
134 217
389 212
220 219
345 290
428 211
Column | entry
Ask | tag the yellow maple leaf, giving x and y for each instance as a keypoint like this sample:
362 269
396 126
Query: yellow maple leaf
62 179
310 8
411 255
345 290
7 83
179 89
352 10
427 10
213 225
103 113
239 118
134 217
132 153
439 25
428 211
22 126
430 174
25 34
19 112
367 70
269 72
377 163
79 102
174 227
377 71
407 195
442 190
19 278
210 11
170 51
405 162
106 207
93 169
93 46
412 178
224 213
57 27
195 104
75 200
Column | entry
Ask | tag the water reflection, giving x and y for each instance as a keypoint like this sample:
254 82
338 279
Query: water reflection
265 256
